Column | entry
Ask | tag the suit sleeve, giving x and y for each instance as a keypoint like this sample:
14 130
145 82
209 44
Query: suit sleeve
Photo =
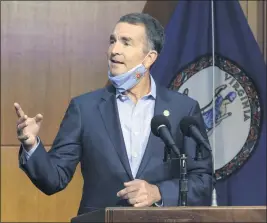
200 178
52 171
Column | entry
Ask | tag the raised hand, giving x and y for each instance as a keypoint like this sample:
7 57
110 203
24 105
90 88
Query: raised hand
27 128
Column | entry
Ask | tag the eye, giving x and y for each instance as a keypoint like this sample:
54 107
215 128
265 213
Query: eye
126 43
112 40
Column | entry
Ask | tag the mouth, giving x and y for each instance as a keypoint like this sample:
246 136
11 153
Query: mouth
113 61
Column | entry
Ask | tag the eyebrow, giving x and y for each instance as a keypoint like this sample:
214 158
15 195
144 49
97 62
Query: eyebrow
126 39
123 38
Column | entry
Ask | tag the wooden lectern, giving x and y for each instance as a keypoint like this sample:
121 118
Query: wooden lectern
176 214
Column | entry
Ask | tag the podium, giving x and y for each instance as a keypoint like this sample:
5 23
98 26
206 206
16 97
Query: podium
176 214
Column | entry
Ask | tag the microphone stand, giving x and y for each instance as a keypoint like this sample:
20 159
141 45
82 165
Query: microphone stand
183 183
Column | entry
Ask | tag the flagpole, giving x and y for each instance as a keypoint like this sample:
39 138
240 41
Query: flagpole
214 195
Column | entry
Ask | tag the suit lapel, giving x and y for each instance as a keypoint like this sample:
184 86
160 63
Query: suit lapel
109 112
160 105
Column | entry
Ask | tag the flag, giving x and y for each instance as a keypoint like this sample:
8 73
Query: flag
231 94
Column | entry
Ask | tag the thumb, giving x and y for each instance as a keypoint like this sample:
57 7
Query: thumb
38 118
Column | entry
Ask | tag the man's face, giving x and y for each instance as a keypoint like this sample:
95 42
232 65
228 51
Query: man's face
126 49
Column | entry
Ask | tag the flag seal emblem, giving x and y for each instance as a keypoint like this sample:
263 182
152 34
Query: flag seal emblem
232 101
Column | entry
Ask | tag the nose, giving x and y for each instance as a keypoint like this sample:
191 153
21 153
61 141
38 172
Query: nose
116 48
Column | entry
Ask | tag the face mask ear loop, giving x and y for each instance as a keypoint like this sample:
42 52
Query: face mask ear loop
145 58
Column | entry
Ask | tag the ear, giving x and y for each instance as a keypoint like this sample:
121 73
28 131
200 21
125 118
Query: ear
150 59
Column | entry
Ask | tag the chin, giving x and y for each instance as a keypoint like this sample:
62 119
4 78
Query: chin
116 72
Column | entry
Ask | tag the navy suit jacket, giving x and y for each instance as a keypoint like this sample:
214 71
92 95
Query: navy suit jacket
90 133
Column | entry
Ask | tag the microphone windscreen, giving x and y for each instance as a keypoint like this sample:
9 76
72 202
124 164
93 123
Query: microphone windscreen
185 124
157 121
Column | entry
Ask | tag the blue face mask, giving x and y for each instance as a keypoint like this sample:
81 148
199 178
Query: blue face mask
129 79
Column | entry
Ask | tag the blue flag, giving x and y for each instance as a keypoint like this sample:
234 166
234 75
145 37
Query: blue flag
211 55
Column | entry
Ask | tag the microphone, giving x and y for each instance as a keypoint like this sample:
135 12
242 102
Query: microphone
160 127
190 128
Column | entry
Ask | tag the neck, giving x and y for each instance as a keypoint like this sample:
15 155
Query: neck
141 89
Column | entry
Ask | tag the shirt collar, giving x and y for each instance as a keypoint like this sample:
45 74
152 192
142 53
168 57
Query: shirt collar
152 92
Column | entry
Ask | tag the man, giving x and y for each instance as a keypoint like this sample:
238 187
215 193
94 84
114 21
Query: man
108 131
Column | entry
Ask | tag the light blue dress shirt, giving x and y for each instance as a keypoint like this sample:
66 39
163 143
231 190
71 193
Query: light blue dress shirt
135 123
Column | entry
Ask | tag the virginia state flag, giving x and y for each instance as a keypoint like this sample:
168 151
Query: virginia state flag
229 85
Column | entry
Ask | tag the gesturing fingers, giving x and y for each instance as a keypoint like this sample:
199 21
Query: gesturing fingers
38 118
22 119
19 110
21 126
